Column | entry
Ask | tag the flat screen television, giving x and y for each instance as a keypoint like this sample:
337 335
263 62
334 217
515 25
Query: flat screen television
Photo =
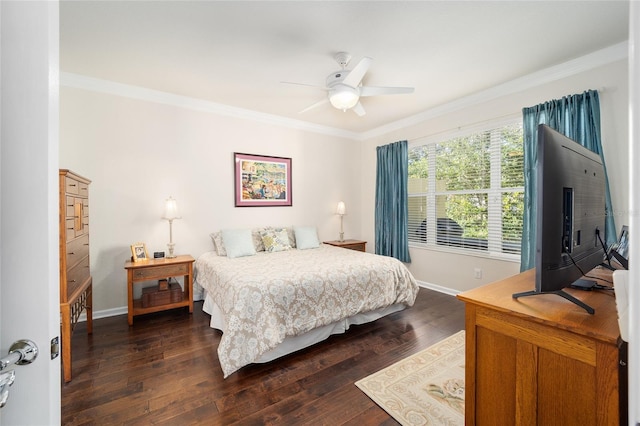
570 214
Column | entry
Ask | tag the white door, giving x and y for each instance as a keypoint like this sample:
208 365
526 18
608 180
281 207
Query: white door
29 271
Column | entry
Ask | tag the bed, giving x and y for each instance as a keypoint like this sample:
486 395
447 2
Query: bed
269 304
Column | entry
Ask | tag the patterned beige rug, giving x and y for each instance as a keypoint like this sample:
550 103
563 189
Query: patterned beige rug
424 389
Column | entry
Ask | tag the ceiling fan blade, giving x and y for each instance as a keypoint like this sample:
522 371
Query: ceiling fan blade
359 109
355 75
374 91
315 86
312 106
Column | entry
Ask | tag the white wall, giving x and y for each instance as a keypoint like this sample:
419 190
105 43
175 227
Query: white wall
137 153
456 272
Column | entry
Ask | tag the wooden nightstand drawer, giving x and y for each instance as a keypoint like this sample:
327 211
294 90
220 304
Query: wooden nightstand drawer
357 245
160 272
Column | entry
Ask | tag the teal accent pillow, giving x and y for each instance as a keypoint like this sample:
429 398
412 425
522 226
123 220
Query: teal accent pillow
238 242
275 239
306 237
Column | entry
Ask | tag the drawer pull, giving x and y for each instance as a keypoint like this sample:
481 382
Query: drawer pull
72 184
71 253
72 281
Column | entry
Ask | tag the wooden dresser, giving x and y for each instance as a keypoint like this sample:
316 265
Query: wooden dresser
541 360
75 273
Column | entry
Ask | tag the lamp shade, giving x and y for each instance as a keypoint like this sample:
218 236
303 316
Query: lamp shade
343 97
341 209
171 209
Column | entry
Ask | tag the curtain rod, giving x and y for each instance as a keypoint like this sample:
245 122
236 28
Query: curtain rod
479 123
505 117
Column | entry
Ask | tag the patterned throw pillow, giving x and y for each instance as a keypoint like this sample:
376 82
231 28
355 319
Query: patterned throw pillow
216 237
257 238
275 239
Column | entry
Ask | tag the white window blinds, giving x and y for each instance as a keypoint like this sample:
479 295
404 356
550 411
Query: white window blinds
467 191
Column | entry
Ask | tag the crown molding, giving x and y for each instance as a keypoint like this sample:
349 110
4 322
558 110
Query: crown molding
92 84
587 62
584 63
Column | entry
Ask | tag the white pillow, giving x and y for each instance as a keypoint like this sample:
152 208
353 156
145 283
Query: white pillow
238 242
306 237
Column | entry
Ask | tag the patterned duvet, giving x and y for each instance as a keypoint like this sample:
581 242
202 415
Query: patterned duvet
270 296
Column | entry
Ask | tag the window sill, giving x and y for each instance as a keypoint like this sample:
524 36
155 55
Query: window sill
515 258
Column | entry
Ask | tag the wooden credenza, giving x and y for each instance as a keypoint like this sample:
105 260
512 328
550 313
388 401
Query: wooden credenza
540 360
75 274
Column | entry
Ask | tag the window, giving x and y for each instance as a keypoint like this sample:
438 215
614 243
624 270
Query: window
467 191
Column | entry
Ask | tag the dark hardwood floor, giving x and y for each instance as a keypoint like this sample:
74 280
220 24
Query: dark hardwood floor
165 370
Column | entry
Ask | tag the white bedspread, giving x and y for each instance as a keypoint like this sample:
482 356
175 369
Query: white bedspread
270 296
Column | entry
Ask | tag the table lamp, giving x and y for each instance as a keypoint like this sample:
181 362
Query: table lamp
341 210
171 213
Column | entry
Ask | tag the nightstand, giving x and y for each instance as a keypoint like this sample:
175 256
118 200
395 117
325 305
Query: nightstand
357 245
157 269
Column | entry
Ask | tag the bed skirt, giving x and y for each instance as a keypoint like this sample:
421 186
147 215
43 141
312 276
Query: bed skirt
295 343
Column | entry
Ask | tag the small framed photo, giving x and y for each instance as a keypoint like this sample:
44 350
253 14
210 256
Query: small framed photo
262 181
623 242
139 252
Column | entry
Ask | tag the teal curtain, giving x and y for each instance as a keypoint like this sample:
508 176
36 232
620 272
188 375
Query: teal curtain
392 212
577 117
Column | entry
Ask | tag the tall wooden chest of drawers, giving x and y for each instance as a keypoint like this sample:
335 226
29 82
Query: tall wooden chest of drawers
75 273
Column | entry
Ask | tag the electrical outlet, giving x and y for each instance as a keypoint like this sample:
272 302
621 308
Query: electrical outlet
477 273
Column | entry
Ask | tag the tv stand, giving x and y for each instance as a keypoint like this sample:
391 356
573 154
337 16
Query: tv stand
540 360
560 293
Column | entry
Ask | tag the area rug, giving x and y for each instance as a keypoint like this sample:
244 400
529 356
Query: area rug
426 388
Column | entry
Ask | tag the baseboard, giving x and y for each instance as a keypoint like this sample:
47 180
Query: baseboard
105 313
439 288
124 310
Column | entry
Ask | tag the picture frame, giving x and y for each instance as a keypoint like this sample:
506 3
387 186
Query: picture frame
620 249
623 242
139 252
262 180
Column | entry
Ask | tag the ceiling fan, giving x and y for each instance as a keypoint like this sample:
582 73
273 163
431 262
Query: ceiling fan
344 87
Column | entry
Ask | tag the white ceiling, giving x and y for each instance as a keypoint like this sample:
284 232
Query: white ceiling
237 53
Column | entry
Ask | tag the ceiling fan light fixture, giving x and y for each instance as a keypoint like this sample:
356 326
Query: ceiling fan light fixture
343 97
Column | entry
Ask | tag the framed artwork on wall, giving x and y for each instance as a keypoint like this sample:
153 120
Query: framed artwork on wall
262 181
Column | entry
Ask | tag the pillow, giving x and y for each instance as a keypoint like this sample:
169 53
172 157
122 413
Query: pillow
216 237
238 242
275 239
306 237
292 237
257 239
